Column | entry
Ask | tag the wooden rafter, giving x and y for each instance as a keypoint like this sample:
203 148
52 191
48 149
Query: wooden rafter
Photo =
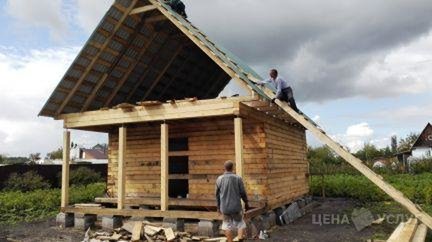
202 46
126 75
144 75
162 72
178 70
90 66
143 9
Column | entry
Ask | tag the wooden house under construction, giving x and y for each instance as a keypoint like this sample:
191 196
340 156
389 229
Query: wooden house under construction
151 80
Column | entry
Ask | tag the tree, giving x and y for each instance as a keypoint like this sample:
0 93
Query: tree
2 159
369 152
394 144
55 155
406 143
323 154
34 157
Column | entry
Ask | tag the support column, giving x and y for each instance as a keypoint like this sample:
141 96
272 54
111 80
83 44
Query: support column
65 170
121 168
238 138
164 167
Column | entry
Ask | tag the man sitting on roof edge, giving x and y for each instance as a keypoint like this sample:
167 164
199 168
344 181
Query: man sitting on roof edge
284 91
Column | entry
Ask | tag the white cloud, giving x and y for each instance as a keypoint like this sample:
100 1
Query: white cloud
40 13
26 81
355 136
405 70
90 12
359 130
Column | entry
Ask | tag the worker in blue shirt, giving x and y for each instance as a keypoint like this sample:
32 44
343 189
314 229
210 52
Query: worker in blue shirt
284 91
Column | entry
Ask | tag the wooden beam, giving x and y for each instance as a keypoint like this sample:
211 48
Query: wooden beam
164 167
202 46
178 70
65 169
154 19
143 9
179 202
121 182
144 75
162 72
95 58
131 68
355 162
238 138
144 213
167 111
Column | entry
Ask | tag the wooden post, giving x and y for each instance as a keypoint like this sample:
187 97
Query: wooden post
164 167
121 168
65 170
238 138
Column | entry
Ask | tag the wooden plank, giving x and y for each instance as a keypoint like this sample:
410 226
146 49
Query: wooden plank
356 163
121 168
96 57
65 169
145 213
142 9
408 230
238 136
183 202
136 231
420 234
169 234
167 111
164 166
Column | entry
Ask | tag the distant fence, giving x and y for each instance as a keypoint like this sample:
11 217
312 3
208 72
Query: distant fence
50 173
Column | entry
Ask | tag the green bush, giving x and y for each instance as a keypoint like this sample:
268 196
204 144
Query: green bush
421 166
28 181
16 206
416 187
83 176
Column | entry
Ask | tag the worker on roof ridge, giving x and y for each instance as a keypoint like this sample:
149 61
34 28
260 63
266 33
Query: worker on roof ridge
178 6
230 191
284 91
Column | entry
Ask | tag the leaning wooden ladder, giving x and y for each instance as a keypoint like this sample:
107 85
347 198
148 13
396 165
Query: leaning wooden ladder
355 162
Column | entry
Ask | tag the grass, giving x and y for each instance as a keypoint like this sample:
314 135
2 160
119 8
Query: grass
418 188
37 205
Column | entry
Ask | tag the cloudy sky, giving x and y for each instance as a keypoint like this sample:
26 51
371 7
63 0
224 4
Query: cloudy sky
361 68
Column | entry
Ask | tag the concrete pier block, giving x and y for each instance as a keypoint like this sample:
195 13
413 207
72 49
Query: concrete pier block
65 220
279 211
85 221
174 223
208 228
112 222
291 213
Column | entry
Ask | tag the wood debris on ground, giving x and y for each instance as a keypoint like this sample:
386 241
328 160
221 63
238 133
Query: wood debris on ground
144 231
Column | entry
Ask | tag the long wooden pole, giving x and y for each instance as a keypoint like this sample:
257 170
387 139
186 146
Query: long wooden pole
65 169
238 138
121 168
164 166
358 164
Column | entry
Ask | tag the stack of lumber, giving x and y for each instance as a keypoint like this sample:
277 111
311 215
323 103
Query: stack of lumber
143 231
410 231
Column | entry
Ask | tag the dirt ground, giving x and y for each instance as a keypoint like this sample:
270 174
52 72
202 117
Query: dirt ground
327 222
